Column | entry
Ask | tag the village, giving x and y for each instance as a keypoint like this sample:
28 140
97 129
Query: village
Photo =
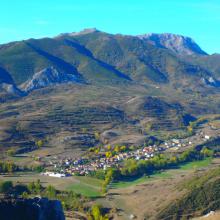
83 166
105 158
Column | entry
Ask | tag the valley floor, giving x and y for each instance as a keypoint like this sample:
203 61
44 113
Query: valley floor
146 198
142 197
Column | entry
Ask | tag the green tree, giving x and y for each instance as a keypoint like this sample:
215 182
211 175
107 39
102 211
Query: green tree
10 167
104 188
97 150
117 149
123 148
25 195
109 176
51 192
6 187
84 130
38 186
64 205
108 154
109 147
31 187
173 160
11 152
130 168
35 187
97 135
39 143
207 152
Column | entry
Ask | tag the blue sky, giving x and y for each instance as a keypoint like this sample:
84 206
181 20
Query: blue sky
199 19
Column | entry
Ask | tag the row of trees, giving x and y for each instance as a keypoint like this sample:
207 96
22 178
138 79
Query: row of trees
111 150
109 177
115 150
8 167
133 168
70 200
33 188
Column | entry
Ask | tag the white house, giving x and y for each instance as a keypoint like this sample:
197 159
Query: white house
52 174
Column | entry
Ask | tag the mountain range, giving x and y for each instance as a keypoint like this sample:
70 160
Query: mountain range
92 56
124 85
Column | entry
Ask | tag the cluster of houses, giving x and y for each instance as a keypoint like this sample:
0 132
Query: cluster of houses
176 144
84 166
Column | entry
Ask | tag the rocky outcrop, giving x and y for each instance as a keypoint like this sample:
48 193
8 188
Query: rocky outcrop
7 85
47 77
177 43
31 209
10 89
211 82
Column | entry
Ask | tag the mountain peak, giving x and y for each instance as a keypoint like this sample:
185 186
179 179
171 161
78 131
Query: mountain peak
179 44
83 32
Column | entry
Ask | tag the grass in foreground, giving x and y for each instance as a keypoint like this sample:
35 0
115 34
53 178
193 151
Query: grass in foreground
86 186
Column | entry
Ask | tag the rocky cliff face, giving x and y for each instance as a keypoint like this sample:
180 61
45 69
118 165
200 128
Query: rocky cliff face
10 89
7 85
31 209
47 77
177 43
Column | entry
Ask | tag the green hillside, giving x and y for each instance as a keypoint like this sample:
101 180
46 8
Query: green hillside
123 83
99 57
202 197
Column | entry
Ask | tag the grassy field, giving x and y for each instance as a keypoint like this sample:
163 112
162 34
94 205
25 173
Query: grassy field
196 164
86 186
161 175
144 179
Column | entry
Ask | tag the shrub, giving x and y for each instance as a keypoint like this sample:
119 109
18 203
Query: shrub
11 152
6 187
